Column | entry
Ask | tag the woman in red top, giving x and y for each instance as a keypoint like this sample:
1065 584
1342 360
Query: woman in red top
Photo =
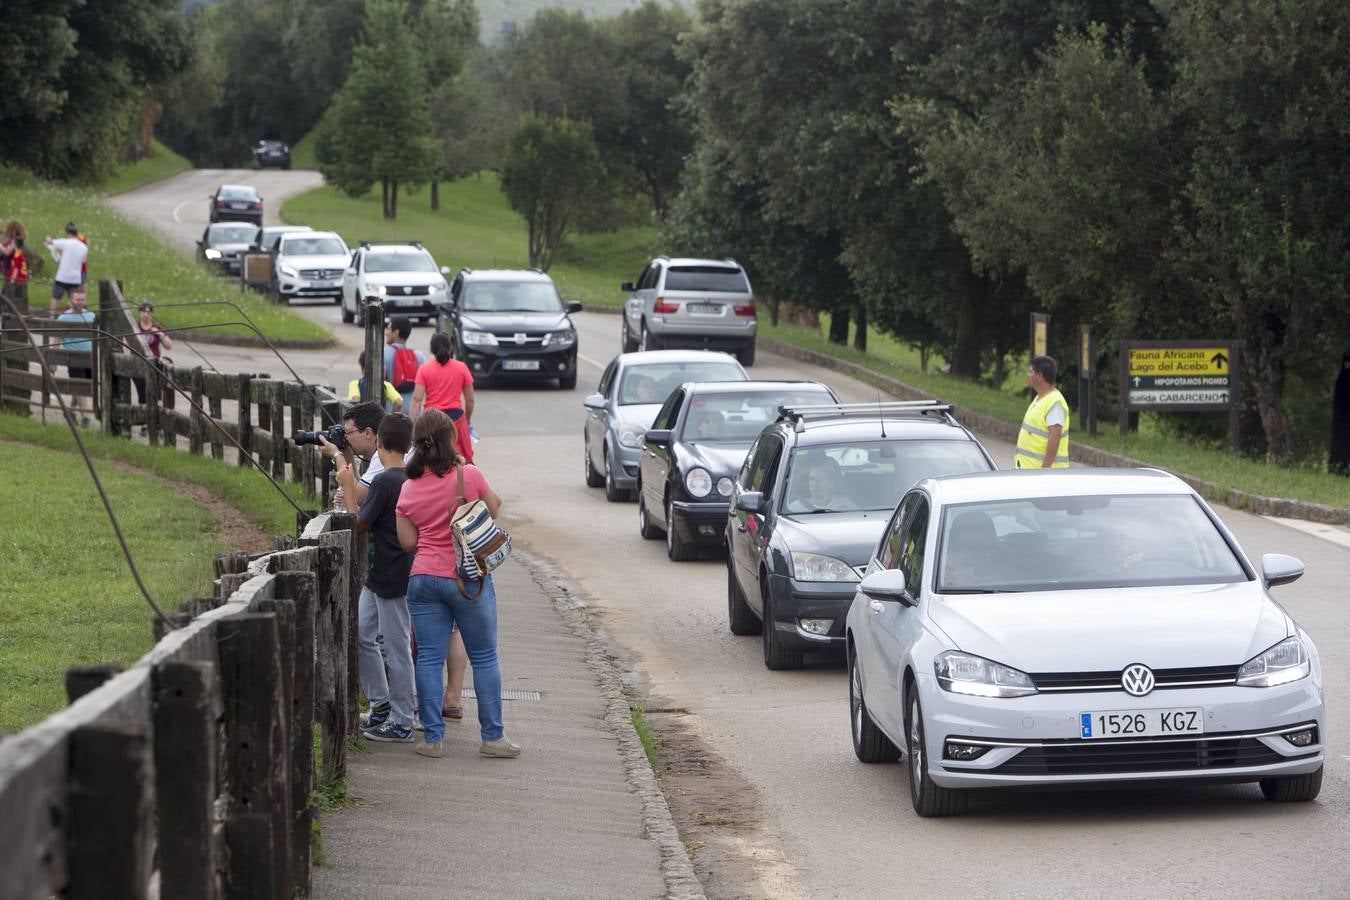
440 383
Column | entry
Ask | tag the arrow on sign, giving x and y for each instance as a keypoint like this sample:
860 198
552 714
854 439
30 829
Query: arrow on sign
1219 360
1136 381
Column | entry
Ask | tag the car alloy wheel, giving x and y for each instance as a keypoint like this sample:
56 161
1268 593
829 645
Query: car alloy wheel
628 342
676 548
593 478
646 342
776 656
645 527
930 801
613 493
869 743
740 617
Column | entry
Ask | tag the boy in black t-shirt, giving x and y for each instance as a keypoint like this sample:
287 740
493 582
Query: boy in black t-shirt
384 630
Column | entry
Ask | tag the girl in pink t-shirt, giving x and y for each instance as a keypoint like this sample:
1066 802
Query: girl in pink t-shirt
435 601
440 383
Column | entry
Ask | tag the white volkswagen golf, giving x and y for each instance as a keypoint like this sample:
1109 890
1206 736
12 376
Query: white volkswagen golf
1077 626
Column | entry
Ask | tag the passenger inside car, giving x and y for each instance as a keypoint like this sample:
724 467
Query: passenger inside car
970 557
706 425
824 488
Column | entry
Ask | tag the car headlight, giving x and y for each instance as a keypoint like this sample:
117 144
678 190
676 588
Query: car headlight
817 567
631 435
288 272
1285 662
560 338
480 338
698 482
724 486
377 290
963 673
211 253
439 287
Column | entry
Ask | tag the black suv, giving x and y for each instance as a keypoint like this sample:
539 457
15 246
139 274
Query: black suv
271 153
511 323
810 504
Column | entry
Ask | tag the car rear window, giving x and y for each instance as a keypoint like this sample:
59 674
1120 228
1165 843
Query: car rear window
1071 543
653 382
872 474
715 279
238 193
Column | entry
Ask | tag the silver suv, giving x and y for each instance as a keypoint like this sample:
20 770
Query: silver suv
699 303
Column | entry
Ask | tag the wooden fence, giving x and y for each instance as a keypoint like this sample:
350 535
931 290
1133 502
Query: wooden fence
191 774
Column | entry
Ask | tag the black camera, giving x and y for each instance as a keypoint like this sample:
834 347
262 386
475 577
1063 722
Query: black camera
336 434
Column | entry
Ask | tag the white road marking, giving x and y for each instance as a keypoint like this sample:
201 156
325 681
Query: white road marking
584 358
1335 534
177 208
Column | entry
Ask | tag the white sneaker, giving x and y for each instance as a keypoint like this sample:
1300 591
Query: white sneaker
499 749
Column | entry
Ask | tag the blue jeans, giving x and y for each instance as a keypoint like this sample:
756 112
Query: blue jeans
436 606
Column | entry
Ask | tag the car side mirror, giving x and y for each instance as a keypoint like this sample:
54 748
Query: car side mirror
574 306
445 270
887 586
750 502
627 286
594 401
659 437
1277 569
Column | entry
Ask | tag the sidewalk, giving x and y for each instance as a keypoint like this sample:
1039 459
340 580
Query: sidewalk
577 815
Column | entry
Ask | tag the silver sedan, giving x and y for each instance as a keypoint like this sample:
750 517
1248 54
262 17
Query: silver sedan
1069 627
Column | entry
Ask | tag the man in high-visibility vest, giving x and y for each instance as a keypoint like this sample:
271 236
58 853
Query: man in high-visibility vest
1043 442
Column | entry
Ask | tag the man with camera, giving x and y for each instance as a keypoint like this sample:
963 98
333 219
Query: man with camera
356 436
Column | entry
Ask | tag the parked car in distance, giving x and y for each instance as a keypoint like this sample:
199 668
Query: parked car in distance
271 153
703 303
222 244
269 235
809 504
695 447
632 389
309 264
1077 627
512 323
403 275
236 203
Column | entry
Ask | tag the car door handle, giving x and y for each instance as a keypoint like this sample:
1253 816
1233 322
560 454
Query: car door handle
874 605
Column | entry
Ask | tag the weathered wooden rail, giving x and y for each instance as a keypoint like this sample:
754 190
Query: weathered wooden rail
191 774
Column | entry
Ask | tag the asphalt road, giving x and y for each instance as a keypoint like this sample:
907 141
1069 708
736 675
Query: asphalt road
833 826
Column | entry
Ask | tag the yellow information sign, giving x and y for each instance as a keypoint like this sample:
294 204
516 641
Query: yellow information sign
1179 361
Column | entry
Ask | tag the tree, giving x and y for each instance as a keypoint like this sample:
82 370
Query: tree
550 174
379 126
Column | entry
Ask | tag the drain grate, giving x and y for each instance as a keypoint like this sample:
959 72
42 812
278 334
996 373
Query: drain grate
468 694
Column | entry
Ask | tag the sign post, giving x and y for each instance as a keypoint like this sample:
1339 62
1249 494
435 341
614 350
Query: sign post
1040 334
1180 376
1087 381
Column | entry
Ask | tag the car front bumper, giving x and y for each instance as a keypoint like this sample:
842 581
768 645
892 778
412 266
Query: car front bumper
426 305
796 600
491 362
700 521
299 287
625 474
1034 740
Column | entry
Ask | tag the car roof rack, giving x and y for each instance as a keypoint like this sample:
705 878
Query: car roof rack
888 409
417 244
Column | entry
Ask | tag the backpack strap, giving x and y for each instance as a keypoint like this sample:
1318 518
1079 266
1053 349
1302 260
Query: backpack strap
454 504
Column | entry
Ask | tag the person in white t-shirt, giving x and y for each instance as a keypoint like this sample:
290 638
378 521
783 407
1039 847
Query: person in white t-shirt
70 253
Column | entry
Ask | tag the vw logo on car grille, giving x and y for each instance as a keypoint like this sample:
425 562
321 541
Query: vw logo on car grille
1137 680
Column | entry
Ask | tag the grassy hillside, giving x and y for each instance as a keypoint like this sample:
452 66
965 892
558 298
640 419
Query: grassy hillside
163 164
147 268
476 228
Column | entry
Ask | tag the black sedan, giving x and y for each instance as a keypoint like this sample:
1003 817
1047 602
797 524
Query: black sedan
810 504
271 153
236 203
694 449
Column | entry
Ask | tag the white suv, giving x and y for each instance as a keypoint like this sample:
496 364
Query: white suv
698 303
403 275
309 264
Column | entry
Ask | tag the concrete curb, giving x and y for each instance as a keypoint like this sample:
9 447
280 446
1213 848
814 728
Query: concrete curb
1078 452
676 868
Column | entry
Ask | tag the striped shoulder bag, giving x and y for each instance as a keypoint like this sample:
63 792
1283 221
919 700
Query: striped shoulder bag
481 545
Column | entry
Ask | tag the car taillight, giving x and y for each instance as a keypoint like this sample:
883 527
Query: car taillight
221 204
259 206
665 308
746 310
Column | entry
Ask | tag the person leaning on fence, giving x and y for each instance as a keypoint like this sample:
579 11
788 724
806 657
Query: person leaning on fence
78 312
71 253
441 382
1043 442
383 629
392 399
154 341
435 600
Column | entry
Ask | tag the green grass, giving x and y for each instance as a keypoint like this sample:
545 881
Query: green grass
303 154
476 228
1149 445
129 177
147 268
645 735
67 597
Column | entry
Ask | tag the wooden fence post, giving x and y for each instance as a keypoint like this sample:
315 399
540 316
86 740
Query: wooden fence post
309 411
217 387
245 419
111 812
154 387
303 589
257 825
186 706
277 418
197 429
107 382
80 680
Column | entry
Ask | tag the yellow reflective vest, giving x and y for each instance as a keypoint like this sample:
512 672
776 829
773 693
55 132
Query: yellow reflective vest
1034 437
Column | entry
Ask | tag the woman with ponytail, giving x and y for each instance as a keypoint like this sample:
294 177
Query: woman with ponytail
440 383
435 601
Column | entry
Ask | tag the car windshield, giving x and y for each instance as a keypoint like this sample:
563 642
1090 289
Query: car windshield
739 417
719 279
399 262
872 474
238 193
1069 543
511 296
312 246
653 382
231 233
